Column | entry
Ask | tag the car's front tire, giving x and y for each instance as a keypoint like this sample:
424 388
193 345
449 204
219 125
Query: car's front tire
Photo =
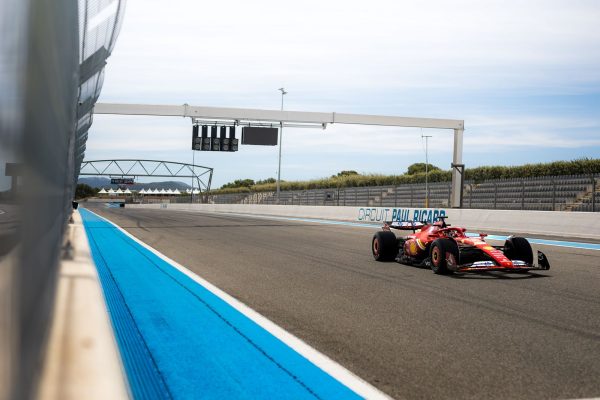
440 251
518 248
384 246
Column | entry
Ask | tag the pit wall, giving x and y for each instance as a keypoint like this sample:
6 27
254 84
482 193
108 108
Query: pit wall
554 223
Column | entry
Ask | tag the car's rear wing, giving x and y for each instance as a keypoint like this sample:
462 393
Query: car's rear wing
412 225
403 225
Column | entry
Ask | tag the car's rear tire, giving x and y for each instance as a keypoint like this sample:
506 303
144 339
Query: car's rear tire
384 246
440 251
518 248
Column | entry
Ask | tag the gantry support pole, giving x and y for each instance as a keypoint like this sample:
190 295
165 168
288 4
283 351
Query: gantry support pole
457 170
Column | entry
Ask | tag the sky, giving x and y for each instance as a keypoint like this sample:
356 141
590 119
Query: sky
524 76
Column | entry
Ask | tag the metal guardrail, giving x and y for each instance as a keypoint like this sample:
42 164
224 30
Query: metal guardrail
560 193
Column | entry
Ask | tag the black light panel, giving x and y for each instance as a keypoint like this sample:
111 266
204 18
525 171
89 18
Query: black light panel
233 145
259 136
195 138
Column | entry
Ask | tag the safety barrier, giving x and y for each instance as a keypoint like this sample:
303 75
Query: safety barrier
564 224
552 193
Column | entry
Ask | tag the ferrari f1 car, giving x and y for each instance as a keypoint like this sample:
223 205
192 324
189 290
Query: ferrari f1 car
446 249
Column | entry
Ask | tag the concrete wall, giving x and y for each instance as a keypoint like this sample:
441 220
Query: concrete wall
555 223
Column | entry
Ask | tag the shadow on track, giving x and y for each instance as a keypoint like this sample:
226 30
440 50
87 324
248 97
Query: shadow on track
211 226
488 274
499 275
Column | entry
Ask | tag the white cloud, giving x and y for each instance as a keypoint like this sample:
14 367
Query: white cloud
423 58
491 133
237 46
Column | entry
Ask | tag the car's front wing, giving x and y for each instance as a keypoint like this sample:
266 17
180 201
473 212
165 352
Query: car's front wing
517 265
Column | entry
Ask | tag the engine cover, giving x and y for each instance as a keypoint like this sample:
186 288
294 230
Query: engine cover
414 248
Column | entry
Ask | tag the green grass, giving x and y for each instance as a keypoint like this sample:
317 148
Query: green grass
575 167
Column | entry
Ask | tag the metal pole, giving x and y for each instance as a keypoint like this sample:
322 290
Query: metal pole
470 195
193 173
593 193
523 194
457 174
426 169
207 187
553 195
495 195
283 92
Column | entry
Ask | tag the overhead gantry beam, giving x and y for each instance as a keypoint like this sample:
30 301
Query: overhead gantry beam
300 117
249 114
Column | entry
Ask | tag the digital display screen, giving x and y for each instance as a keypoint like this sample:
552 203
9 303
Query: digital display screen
259 136
121 181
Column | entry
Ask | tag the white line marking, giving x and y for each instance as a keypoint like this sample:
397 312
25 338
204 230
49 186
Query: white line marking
2 212
337 371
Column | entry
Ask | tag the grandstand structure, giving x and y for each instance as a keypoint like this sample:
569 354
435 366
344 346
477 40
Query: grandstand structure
553 193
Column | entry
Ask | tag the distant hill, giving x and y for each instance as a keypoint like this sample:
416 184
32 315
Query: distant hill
97 182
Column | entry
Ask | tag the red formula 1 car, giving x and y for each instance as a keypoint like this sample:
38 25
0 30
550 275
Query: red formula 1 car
447 249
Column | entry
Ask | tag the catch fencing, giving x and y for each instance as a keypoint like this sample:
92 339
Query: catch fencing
556 193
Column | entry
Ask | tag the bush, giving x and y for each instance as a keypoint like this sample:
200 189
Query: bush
82 191
268 180
239 183
478 174
576 167
345 173
420 167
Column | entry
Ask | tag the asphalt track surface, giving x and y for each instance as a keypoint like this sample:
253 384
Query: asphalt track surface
407 331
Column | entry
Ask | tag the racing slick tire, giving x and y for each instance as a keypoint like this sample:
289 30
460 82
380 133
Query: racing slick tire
518 248
384 246
439 252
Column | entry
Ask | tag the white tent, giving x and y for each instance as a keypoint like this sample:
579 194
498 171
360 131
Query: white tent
155 191
196 191
102 191
111 191
119 191
188 191
162 191
142 191
127 191
176 191
169 191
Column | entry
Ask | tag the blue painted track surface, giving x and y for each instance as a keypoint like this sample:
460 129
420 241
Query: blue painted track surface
179 340
548 242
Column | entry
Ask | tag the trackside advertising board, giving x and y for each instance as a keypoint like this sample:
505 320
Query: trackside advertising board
380 214
526 222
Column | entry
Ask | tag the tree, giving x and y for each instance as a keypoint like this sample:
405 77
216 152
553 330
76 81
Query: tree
265 181
238 183
346 173
417 168
82 191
